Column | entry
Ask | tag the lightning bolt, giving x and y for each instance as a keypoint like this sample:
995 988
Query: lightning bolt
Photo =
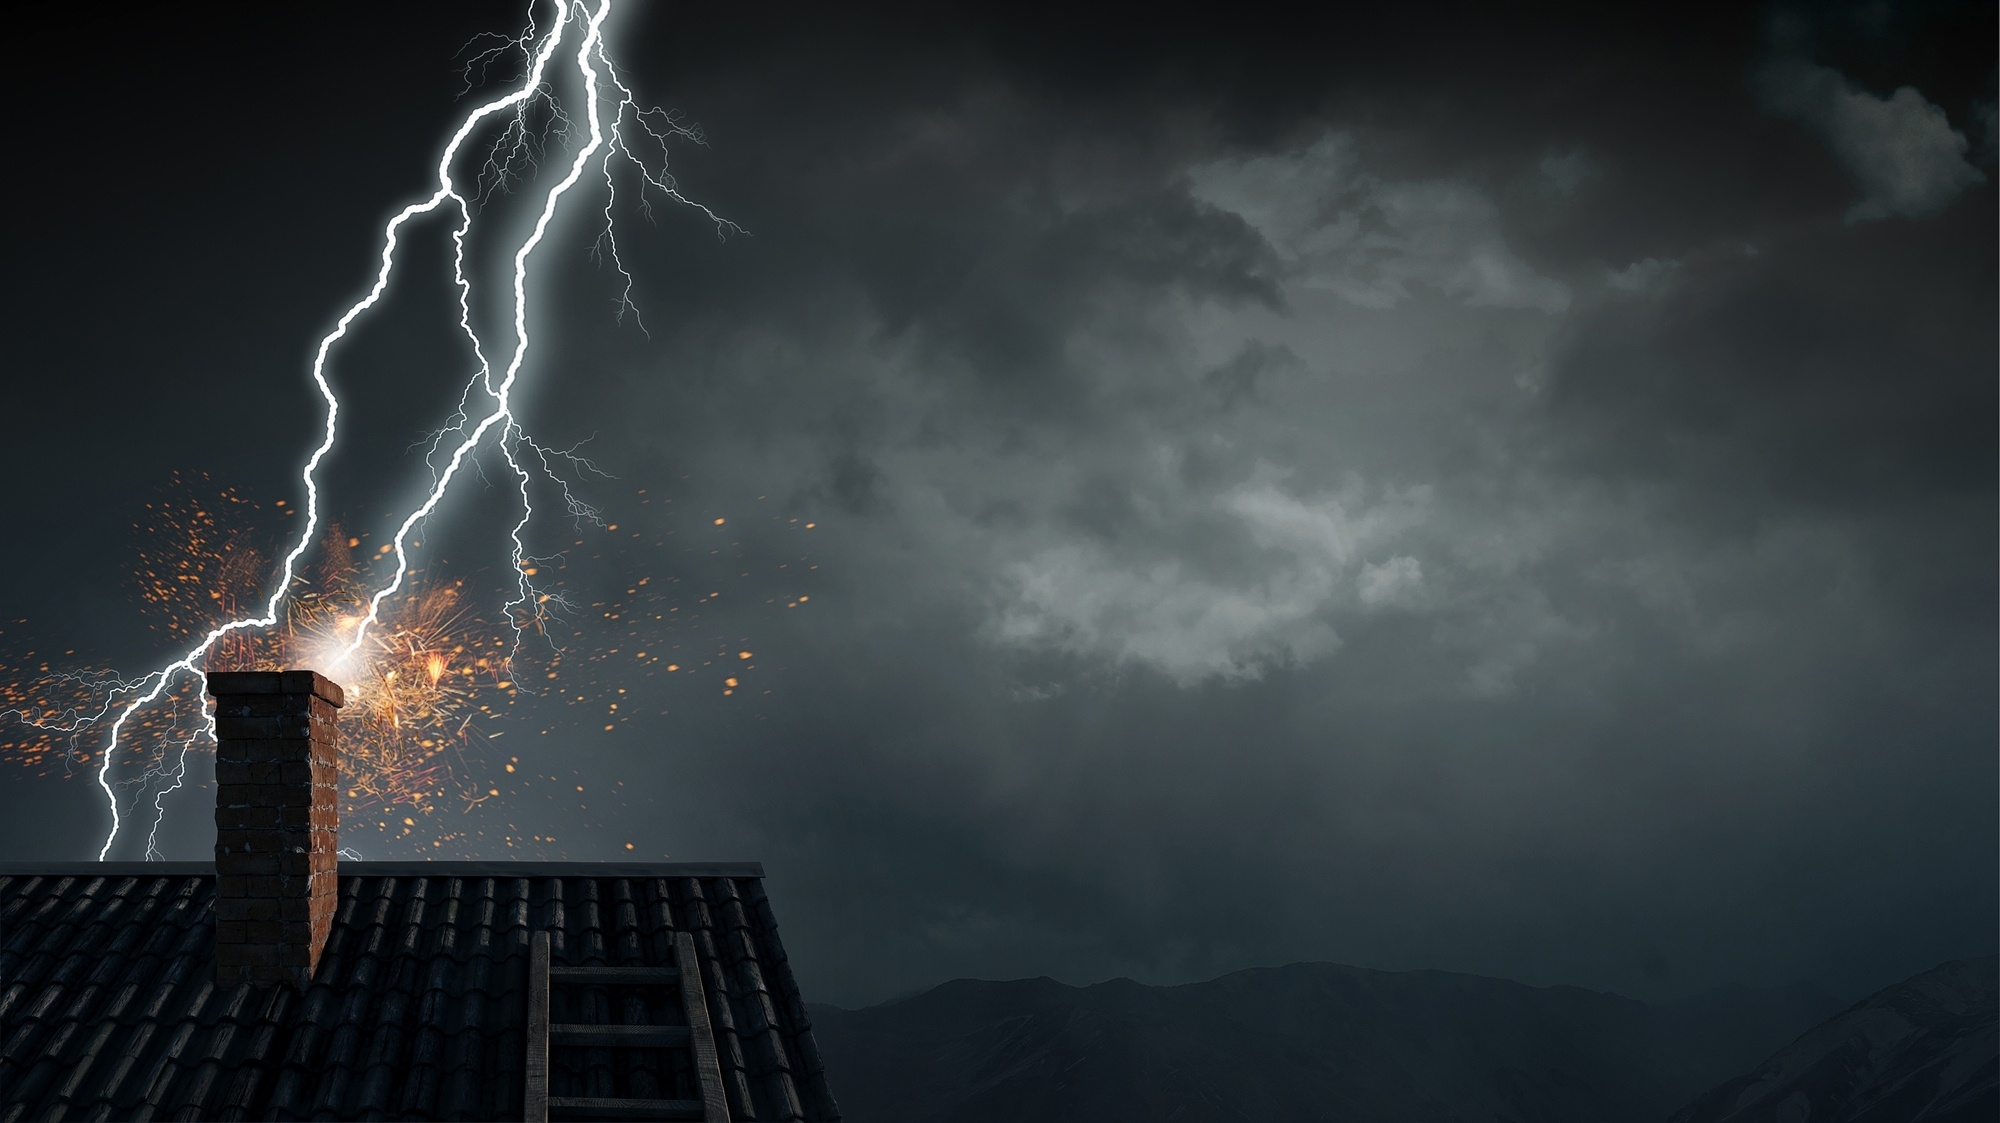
485 408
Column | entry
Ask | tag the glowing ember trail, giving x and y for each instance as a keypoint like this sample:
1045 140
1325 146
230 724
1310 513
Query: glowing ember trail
410 669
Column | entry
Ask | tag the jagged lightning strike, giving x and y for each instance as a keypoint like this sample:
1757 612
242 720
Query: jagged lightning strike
485 407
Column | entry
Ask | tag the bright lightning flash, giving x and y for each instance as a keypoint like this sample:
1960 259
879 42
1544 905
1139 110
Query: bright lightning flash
485 415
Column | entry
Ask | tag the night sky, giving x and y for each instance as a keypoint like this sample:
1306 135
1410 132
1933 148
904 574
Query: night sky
1497 491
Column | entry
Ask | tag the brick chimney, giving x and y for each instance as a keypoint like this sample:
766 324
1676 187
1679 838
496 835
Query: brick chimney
277 820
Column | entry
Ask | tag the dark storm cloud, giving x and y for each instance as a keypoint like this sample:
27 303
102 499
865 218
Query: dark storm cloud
1844 368
1520 507
1901 150
1413 491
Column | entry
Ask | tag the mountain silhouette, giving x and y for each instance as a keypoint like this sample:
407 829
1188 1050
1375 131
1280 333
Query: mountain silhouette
1924 1049
1309 1041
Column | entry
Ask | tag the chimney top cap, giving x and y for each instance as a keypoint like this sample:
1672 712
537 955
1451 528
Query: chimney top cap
221 683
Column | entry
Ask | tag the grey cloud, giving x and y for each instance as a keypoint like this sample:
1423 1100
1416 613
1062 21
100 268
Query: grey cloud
1370 240
1566 172
1294 563
1640 275
1235 380
1798 372
1396 581
1901 150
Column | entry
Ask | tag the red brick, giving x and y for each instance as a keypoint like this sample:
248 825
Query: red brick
313 683
279 795
304 683
247 817
286 727
246 682
262 705
253 868
261 750
250 955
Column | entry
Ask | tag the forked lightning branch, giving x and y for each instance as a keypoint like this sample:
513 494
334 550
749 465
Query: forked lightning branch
602 129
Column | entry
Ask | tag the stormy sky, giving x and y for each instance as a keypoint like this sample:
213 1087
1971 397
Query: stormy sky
1490 490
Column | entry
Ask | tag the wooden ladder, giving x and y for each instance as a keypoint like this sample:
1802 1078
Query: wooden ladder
695 1035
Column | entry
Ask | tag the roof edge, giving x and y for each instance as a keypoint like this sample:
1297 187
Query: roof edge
403 869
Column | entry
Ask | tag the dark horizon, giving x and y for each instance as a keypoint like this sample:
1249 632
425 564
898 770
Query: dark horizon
1506 492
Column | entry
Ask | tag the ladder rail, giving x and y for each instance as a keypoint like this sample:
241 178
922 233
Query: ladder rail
535 1098
707 1071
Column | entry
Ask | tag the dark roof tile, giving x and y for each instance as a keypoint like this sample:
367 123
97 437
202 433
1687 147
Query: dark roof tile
108 1008
130 1060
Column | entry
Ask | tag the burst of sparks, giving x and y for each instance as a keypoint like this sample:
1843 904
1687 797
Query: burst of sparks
437 689
158 702
414 701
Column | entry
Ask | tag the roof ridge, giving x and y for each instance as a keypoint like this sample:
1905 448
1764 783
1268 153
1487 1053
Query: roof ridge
472 868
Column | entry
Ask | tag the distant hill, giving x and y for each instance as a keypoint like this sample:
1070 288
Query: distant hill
1923 1050
1311 1041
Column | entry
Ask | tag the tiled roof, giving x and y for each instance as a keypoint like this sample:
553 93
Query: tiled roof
108 1008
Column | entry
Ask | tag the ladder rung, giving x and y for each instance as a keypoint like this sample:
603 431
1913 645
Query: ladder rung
627 1109
632 975
627 1037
